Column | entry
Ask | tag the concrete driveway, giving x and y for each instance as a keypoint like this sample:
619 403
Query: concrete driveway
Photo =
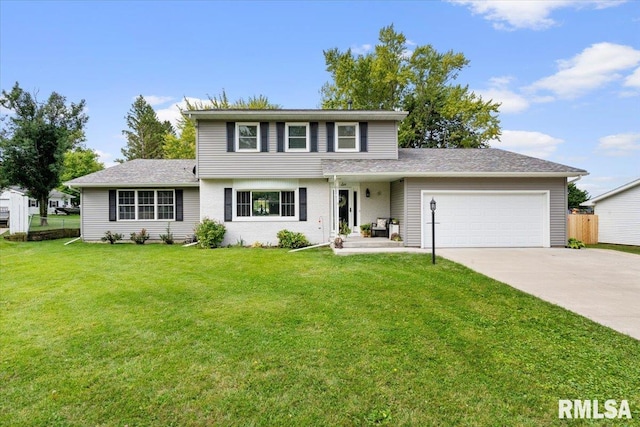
602 285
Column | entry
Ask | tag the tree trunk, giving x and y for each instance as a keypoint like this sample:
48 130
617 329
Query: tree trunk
44 207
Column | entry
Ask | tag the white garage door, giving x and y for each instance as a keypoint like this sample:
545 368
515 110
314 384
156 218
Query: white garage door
476 219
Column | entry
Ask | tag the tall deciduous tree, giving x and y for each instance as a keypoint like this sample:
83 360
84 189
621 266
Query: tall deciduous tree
78 162
183 145
441 114
33 143
146 134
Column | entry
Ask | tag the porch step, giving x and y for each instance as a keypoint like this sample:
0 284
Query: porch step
370 242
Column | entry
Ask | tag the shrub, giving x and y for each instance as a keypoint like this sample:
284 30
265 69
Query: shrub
292 240
110 237
210 233
167 238
140 237
575 243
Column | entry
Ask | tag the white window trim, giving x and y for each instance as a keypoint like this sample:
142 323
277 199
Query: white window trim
273 218
237 137
155 204
286 137
357 136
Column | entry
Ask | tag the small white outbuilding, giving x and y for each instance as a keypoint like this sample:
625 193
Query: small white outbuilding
618 214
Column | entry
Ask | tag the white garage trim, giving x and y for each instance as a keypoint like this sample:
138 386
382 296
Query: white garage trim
425 214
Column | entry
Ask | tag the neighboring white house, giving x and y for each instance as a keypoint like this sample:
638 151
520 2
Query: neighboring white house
618 214
57 199
20 207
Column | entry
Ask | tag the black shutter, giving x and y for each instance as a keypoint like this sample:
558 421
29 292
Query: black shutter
363 136
303 203
179 206
330 136
313 129
231 137
228 204
264 137
280 136
112 205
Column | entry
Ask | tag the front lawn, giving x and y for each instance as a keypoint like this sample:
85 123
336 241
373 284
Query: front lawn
622 248
95 334
55 222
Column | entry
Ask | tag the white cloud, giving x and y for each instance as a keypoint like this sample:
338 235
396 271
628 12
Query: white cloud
535 144
592 68
510 101
622 144
106 158
633 80
362 49
534 15
172 112
154 100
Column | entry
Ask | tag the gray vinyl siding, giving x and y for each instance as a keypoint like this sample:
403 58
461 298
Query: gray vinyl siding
398 204
215 162
95 217
555 186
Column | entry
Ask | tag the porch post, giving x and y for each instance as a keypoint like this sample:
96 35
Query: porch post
336 207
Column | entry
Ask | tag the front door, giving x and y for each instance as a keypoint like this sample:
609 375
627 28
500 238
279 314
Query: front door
348 208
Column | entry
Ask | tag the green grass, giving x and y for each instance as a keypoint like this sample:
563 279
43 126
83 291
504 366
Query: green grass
55 222
622 248
95 334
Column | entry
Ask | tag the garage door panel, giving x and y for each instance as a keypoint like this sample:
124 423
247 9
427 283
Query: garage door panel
487 219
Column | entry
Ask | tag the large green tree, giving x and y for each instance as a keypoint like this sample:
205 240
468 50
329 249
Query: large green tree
78 162
183 145
34 138
442 114
576 196
145 134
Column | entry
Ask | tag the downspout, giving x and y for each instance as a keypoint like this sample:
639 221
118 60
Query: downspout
576 179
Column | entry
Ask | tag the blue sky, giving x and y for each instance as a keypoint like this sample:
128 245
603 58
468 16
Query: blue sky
567 72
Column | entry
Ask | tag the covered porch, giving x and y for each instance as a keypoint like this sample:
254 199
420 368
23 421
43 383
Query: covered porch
358 203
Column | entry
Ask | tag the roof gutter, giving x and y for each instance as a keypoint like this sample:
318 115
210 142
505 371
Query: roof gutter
328 115
462 174
132 185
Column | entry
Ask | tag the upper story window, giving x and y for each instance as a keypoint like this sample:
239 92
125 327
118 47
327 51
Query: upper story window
146 204
347 137
247 137
297 137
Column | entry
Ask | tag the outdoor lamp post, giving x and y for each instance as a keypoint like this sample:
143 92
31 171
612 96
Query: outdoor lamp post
432 204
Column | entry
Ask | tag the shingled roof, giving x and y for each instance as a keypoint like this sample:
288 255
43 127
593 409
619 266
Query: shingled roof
142 173
450 163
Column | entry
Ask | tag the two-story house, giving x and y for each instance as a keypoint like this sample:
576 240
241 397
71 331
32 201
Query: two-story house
261 171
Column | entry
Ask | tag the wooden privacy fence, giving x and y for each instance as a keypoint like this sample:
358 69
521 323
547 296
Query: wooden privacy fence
583 227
